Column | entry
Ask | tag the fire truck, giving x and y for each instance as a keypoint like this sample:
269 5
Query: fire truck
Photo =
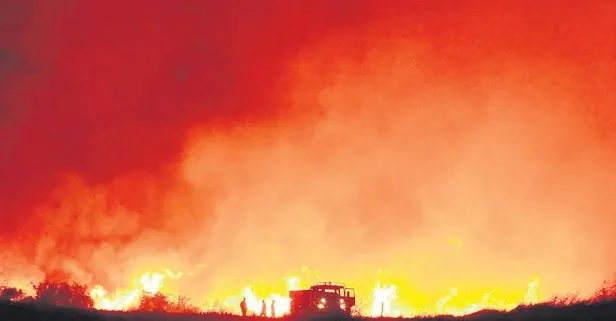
324 297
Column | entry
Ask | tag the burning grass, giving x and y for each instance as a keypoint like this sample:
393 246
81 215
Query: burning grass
73 301
20 311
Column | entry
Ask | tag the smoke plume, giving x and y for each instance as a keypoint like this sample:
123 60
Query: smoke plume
445 144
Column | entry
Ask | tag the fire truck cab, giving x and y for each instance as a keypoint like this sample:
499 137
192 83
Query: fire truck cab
324 297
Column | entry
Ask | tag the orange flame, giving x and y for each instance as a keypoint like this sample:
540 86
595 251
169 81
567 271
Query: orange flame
384 299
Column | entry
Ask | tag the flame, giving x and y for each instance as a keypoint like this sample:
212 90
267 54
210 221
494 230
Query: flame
119 300
282 303
447 304
384 299
149 283
531 296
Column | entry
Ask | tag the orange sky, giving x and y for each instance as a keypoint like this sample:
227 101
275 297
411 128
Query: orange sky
447 143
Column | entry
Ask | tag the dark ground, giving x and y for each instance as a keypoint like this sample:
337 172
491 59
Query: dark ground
31 312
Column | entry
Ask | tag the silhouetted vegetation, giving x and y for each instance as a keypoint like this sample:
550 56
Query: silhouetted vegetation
63 294
162 303
597 311
11 294
565 300
607 292
67 301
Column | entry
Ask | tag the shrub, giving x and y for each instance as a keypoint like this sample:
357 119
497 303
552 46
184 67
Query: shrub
183 305
162 303
11 294
157 302
63 294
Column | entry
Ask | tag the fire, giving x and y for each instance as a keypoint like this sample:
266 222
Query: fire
149 283
345 150
255 296
384 299
386 302
531 296
281 302
119 300
447 304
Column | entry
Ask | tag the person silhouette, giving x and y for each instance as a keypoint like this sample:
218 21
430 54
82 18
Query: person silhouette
244 307
263 309
273 306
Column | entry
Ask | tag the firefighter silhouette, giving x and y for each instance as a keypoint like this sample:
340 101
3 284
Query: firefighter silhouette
273 309
244 307
263 309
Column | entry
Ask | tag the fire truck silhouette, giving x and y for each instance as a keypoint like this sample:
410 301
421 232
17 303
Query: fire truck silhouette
324 297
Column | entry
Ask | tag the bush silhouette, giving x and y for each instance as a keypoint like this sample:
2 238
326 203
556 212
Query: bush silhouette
11 294
63 294
183 305
161 303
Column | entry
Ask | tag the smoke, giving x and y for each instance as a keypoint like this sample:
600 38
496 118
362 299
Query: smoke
448 145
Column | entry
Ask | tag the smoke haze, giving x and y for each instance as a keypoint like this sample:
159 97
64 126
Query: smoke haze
445 144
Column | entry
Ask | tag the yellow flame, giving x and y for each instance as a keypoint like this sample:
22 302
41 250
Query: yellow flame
531 296
151 282
383 300
120 300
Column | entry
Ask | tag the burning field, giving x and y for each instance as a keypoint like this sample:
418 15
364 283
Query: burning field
440 157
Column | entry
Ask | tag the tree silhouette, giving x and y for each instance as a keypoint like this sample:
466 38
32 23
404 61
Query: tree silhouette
63 294
162 303
11 294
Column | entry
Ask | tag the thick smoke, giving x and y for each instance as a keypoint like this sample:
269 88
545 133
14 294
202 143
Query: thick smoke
448 145
96 105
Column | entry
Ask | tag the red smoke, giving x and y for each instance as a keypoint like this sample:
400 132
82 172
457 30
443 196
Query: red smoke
101 91
350 132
